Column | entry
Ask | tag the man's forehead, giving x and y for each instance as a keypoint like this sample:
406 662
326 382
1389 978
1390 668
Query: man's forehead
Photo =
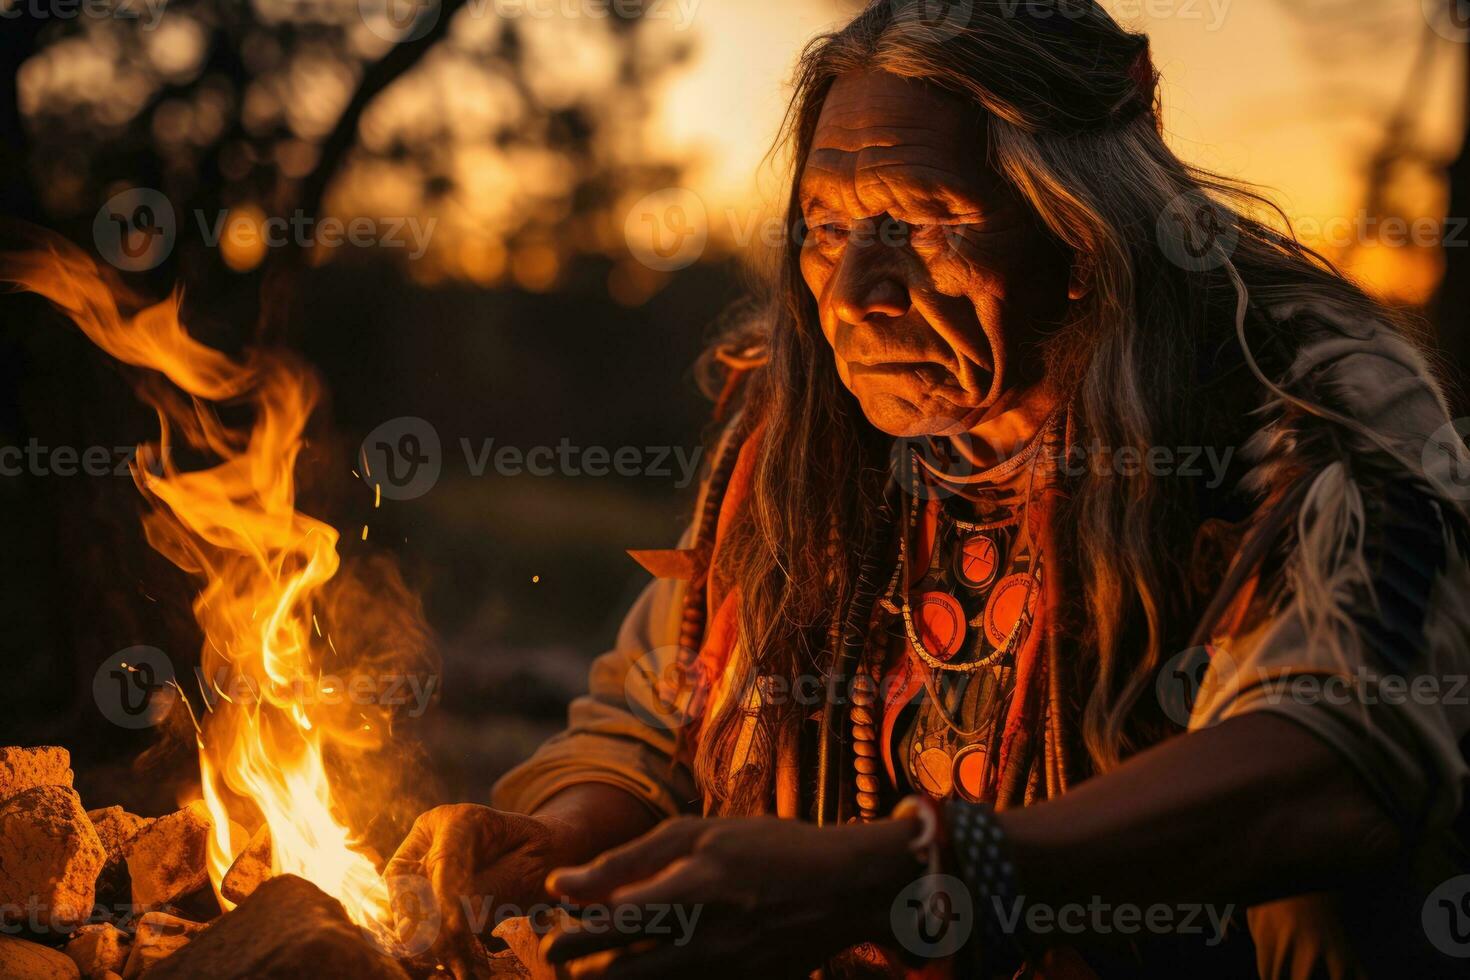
877 131
874 108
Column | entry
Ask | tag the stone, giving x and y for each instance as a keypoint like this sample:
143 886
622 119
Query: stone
26 768
288 929
98 950
523 943
507 964
157 937
24 960
251 869
50 856
168 859
115 826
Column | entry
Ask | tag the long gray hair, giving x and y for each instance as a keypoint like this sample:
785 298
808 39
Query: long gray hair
1071 108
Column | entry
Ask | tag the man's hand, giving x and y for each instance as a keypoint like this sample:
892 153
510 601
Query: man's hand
475 860
738 897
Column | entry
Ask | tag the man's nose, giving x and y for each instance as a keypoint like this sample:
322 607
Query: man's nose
869 282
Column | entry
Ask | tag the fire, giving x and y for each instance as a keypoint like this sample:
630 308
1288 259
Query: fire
265 737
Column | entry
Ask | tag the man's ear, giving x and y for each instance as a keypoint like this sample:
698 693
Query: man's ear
1079 279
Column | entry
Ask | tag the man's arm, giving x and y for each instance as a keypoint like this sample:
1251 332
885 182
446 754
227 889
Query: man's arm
589 818
1252 809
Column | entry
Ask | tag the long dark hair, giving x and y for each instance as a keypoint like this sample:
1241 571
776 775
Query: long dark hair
1071 108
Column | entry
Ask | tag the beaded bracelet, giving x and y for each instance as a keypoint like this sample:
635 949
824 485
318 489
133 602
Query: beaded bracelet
983 861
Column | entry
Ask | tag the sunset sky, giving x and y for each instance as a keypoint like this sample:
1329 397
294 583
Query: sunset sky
1288 94
1248 91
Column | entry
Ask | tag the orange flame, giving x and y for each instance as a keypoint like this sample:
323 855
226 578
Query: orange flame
263 565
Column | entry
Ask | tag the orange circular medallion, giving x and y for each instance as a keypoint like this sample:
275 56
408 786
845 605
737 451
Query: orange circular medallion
1003 610
941 623
969 773
932 769
979 561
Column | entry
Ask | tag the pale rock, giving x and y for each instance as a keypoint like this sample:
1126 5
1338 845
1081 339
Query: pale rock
50 856
158 936
21 959
26 768
98 950
251 868
168 859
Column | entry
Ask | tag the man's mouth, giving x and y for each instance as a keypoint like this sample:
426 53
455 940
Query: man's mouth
931 373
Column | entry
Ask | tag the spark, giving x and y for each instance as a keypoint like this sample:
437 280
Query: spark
189 707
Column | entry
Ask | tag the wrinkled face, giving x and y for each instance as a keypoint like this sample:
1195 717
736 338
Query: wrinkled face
933 279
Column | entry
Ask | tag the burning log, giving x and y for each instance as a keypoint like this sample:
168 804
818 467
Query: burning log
23 960
288 928
50 856
251 868
98 950
158 937
26 768
167 860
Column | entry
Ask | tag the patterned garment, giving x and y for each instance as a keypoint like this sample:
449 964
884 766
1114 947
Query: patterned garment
974 583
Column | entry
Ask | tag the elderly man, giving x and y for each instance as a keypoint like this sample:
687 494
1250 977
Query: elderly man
957 600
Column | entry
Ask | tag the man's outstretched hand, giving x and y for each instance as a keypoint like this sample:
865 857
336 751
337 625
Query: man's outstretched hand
737 897
472 860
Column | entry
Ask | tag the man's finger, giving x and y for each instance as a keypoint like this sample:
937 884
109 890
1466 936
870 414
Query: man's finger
688 882
675 885
408 859
631 862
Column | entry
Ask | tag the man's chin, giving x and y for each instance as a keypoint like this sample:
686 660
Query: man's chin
903 418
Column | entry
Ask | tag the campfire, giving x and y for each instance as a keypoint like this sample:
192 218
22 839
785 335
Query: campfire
271 845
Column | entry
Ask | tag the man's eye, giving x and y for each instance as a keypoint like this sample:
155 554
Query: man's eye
928 234
829 234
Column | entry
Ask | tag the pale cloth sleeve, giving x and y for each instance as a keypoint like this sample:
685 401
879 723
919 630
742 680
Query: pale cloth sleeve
1400 730
618 733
